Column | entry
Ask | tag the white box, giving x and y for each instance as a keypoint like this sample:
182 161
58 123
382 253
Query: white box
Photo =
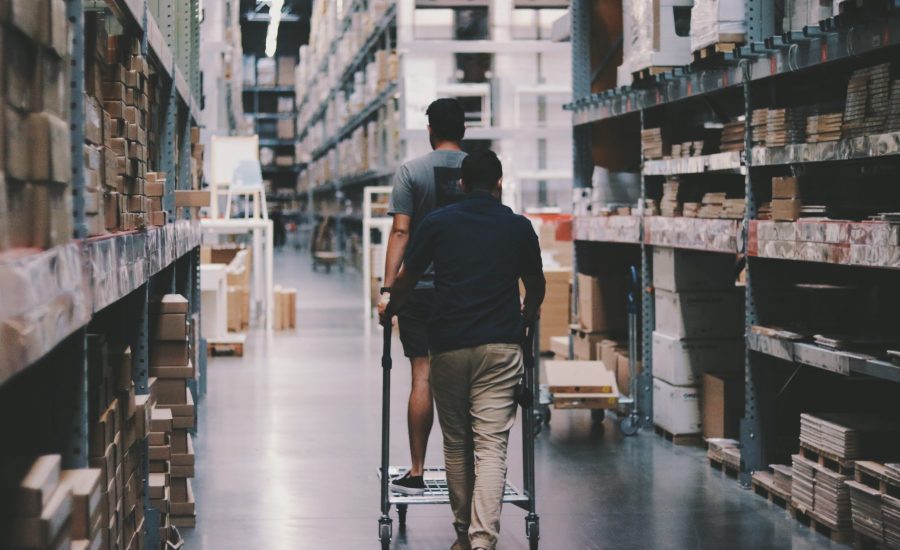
699 314
676 409
684 362
679 270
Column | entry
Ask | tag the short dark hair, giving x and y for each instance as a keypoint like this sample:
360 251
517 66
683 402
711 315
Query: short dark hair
481 170
447 119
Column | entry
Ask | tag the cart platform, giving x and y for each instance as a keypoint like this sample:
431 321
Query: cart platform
436 491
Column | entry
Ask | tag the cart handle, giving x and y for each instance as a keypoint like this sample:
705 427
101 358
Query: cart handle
634 287
386 362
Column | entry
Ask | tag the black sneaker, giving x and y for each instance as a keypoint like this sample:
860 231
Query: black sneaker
409 485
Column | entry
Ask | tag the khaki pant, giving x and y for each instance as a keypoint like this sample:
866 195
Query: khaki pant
474 392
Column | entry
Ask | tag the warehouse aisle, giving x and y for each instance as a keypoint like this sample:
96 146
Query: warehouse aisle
289 442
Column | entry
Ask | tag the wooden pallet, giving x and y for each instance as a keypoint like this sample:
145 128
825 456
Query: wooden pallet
229 346
679 439
828 460
764 485
874 475
714 52
649 72
726 469
817 524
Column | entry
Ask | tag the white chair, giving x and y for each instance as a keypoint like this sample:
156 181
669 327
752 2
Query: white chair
247 182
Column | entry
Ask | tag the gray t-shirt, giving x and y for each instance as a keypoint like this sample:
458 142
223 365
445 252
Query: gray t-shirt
425 184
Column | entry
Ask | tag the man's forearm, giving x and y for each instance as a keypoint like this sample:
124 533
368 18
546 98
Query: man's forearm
535 288
396 248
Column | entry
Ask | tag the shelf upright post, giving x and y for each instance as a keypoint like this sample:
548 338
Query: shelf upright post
140 373
752 433
760 17
75 16
648 317
72 402
583 167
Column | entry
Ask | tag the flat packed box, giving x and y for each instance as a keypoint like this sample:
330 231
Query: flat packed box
169 353
676 409
584 345
169 326
602 304
723 405
683 362
679 270
699 314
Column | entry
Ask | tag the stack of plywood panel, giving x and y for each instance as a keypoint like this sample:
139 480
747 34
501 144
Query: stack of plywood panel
581 385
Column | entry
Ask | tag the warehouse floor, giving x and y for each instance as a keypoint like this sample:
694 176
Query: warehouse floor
289 446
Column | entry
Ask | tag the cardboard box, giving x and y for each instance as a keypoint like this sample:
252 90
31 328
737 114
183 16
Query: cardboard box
584 345
678 270
184 372
20 71
786 209
559 345
699 314
18 152
723 406
86 493
51 217
169 327
602 304
609 349
36 487
787 187
191 199
623 373
676 409
170 391
683 362
555 318
161 420
181 441
43 530
169 353
286 128
286 66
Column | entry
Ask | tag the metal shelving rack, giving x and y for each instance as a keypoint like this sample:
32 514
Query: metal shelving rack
834 43
281 173
121 270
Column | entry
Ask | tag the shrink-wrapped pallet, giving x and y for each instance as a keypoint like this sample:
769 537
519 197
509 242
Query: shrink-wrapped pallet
714 21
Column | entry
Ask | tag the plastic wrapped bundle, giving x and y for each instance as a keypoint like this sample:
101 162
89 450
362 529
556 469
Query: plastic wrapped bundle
714 21
656 34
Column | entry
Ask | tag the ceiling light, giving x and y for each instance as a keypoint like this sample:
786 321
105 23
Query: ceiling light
274 21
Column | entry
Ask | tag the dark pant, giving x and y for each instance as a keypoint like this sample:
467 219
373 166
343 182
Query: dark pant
412 319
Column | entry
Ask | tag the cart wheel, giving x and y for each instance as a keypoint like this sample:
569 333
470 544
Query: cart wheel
545 415
401 514
533 531
629 425
385 532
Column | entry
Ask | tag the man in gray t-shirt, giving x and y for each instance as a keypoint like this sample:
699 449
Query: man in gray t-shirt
420 186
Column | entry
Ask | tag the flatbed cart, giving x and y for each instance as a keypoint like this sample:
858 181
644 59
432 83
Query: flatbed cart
436 491
623 407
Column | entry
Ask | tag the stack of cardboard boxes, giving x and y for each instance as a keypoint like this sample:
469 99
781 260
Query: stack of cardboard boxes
117 103
555 314
45 507
36 167
285 308
172 451
698 330
118 421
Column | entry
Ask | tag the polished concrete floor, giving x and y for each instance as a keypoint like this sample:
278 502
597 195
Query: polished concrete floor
289 438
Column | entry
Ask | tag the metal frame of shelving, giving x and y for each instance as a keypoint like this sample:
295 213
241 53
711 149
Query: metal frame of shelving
164 258
764 57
